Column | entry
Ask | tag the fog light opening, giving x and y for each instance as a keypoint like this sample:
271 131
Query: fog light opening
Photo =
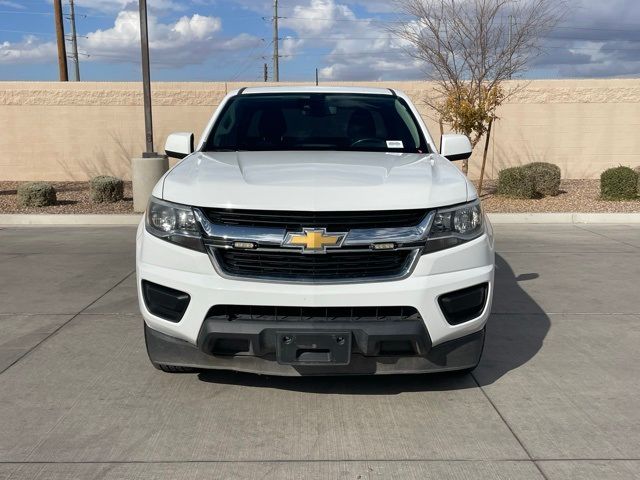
165 302
464 305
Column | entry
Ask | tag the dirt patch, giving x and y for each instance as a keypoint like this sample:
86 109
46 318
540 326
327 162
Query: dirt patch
575 196
73 197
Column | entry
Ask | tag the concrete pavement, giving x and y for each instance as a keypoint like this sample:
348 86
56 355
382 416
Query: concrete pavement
556 395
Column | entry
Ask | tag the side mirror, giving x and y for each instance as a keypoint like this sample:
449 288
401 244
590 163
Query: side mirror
455 147
179 145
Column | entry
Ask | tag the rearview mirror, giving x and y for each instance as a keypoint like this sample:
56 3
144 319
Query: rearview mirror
455 147
179 145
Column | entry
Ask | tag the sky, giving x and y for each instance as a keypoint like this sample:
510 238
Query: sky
230 40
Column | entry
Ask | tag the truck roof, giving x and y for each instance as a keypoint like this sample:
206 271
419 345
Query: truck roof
316 89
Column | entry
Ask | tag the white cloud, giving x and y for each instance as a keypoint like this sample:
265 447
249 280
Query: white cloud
594 42
197 27
290 46
29 50
189 40
319 16
359 48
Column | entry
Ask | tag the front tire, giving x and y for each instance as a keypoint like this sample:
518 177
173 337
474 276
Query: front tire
173 368
469 370
163 366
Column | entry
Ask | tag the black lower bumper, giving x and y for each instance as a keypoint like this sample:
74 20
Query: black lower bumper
374 348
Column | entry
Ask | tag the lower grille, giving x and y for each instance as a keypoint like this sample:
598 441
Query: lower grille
312 314
314 268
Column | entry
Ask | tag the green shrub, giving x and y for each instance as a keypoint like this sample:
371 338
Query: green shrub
36 194
546 178
619 183
516 182
106 189
637 170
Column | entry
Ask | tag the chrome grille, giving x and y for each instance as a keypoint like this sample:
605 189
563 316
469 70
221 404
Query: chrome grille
250 244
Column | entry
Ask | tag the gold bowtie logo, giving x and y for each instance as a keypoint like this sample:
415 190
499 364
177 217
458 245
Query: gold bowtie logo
314 240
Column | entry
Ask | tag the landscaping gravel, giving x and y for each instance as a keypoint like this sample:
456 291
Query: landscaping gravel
575 196
73 197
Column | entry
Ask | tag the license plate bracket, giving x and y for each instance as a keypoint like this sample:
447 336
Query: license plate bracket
313 348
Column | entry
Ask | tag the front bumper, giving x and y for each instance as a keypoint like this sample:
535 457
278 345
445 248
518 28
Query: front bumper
458 354
436 274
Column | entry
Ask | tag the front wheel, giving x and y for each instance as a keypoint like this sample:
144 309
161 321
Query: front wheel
469 370
173 368
163 366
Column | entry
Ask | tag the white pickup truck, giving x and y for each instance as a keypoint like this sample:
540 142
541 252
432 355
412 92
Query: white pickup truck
315 231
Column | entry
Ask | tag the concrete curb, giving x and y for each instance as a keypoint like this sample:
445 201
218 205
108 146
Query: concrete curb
70 219
564 218
496 218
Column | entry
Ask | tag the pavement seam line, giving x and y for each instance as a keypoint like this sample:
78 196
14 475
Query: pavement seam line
66 323
64 416
524 448
350 460
608 238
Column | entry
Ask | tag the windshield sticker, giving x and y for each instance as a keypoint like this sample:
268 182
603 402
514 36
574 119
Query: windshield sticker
394 144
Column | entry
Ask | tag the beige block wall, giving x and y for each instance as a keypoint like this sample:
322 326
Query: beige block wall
72 131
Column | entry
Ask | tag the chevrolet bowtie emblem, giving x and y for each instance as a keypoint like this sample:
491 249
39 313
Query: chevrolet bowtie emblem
314 240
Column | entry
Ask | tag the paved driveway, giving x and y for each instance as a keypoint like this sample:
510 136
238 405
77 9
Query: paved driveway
556 396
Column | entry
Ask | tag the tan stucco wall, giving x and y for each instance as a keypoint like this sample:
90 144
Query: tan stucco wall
72 131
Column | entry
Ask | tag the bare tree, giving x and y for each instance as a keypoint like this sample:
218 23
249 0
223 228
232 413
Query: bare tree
470 48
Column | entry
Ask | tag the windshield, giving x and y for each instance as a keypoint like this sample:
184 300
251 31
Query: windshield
316 121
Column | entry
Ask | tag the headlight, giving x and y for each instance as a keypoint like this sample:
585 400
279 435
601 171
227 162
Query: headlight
174 223
455 225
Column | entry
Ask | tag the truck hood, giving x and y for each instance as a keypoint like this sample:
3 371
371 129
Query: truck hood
315 181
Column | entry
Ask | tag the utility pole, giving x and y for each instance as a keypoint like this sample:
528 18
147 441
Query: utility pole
276 40
266 72
74 40
62 49
316 76
146 171
146 80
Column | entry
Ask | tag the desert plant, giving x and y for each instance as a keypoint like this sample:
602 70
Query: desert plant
637 170
516 182
36 194
619 183
106 189
546 177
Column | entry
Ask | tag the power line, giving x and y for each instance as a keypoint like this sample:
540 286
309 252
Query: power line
371 20
247 62
397 51
17 12
20 12
634 26
36 34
